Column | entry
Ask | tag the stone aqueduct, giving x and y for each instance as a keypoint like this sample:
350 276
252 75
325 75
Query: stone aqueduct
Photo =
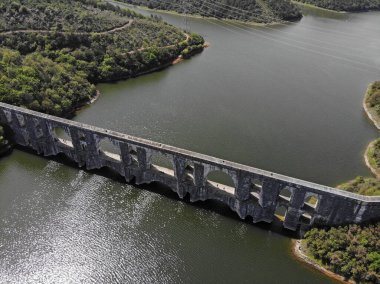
254 192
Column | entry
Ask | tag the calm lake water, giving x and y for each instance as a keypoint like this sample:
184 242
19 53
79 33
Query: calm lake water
286 99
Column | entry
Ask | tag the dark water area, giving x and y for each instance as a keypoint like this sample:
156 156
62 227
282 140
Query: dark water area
285 98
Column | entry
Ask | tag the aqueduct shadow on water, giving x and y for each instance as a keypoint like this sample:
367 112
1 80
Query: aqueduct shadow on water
263 196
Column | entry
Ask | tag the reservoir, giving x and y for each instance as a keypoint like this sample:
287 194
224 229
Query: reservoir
284 98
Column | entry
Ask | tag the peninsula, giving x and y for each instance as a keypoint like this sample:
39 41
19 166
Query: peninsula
351 252
52 53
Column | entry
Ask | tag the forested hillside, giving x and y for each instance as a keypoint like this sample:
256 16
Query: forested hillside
53 51
352 251
261 11
84 15
345 5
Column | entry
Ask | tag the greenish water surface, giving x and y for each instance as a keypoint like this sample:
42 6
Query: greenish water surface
285 99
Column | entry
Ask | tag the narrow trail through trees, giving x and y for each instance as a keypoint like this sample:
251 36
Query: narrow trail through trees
128 24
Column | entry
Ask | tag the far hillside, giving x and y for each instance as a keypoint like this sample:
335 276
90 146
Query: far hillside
259 11
345 5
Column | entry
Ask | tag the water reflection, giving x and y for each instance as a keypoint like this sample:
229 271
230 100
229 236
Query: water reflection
245 99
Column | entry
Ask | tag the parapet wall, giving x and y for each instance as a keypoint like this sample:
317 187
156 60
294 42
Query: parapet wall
253 192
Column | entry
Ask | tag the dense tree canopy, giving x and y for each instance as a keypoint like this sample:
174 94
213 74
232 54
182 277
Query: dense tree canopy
345 5
52 68
67 15
262 11
39 83
352 251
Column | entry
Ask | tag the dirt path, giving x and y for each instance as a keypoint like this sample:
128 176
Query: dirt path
161 47
130 22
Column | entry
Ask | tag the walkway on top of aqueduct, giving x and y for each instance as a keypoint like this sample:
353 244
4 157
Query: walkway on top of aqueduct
253 192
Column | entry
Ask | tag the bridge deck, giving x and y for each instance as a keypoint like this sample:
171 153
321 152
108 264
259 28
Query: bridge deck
247 198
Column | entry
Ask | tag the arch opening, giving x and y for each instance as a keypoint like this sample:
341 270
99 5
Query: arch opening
189 170
221 180
256 188
306 218
132 151
61 135
280 212
162 163
108 148
8 132
285 194
311 201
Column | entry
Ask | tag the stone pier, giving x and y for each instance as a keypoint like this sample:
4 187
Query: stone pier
251 192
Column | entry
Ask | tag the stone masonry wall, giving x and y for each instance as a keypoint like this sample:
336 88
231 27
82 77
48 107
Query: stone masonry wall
252 192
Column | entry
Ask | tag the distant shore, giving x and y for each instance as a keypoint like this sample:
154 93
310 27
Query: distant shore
170 12
358 10
316 7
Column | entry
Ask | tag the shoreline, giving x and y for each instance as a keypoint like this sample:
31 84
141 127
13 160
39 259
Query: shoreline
177 60
335 11
368 111
317 7
297 248
195 16
301 256
374 170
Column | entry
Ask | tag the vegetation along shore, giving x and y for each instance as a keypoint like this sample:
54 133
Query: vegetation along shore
372 157
52 53
351 253
345 5
371 103
257 11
